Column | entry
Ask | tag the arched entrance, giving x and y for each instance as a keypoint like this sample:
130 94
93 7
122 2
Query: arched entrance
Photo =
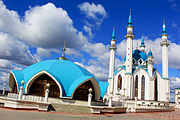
38 87
12 84
82 91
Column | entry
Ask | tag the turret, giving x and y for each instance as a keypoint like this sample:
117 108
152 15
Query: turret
142 46
111 63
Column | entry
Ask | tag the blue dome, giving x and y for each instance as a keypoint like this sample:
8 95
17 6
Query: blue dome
68 74
137 54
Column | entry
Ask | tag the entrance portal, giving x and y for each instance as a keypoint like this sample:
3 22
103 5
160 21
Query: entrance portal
38 87
82 91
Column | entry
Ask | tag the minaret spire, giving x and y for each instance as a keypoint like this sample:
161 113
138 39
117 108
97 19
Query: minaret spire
63 54
130 20
112 63
165 74
129 58
164 28
142 47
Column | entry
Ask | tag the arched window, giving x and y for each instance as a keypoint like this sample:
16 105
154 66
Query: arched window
142 87
120 82
156 90
136 86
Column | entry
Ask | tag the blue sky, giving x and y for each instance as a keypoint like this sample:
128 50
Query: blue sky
35 30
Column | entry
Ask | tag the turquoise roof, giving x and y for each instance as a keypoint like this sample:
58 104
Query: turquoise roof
142 41
150 54
164 29
113 34
68 74
137 54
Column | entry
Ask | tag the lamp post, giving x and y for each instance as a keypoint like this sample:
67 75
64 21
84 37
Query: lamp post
21 90
90 96
4 89
47 92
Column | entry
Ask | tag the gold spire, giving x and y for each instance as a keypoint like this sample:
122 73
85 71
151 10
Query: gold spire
63 54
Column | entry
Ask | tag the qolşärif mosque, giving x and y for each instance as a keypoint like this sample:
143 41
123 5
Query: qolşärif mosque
137 78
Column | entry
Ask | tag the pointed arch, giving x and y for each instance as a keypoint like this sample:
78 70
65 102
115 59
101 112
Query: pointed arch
142 87
120 82
136 86
13 86
95 86
33 78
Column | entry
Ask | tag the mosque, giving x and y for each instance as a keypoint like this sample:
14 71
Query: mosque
137 78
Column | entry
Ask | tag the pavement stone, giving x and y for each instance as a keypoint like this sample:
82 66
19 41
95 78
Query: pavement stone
9 114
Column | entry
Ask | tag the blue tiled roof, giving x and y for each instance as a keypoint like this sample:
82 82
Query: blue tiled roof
68 74
150 54
137 54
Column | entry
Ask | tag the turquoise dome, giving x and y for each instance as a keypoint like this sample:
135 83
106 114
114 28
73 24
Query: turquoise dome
137 54
68 74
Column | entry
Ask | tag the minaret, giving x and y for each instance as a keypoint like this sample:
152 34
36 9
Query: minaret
112 63
150 63
129 50
63 54
164 44
165 75
142 47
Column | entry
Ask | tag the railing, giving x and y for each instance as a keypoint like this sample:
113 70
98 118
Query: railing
26 97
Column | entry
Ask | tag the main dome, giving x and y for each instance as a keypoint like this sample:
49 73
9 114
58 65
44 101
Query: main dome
137 54
68 74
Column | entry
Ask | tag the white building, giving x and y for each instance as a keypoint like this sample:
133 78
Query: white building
177 97
137 78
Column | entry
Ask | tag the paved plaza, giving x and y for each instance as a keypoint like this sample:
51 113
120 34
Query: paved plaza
9 114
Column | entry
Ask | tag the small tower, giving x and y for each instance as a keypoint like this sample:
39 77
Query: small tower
111 63
164 44
129 57
142 46
150 63
63 54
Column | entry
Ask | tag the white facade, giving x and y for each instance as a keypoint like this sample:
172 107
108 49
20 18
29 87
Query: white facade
177 97
137 78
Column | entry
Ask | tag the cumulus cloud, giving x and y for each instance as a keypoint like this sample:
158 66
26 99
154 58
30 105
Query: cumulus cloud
15 50
42 26
92 11
95 15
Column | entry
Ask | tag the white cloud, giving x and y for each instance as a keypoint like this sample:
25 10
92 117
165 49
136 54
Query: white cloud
42 26
95 15
43 52
92 11
15 50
